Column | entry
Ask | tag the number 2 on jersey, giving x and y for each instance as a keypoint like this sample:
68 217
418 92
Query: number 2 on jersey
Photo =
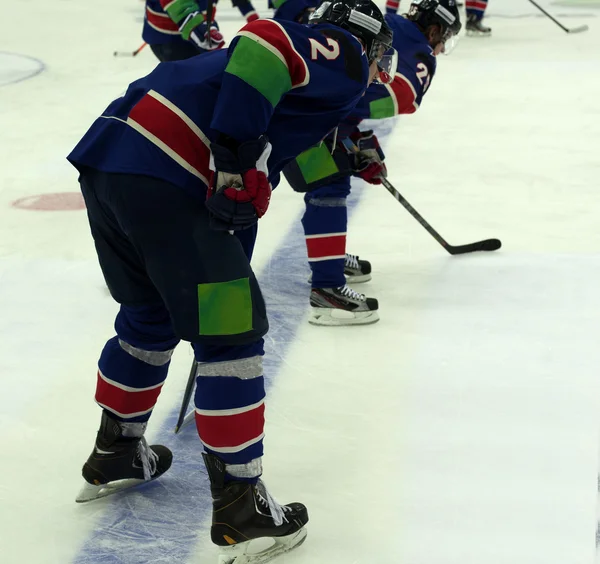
331 53
423 76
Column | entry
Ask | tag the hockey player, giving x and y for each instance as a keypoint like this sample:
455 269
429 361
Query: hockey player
177 29
475 12
324 172
187 155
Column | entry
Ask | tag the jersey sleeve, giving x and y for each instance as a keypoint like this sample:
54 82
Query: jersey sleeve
289 10
263 65
405 93
178 10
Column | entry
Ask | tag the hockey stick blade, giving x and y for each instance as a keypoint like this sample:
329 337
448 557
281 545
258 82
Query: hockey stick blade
129 53
485 245
579 29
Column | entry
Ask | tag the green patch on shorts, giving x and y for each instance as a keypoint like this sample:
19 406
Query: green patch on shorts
225 308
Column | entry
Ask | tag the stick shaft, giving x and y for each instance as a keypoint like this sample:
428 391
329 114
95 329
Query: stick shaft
564 28
412 211
139 49
187 395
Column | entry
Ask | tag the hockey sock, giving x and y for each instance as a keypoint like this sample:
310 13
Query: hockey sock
325 221
230 407
391 6
476 8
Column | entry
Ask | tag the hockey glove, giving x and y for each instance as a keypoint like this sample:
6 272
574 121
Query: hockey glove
194 29
239 191
367 158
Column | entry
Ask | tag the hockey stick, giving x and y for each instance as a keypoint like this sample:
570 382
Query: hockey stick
187 395
209 18
485 245
129 53
564 28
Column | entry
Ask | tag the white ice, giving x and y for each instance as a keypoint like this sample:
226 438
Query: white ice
460 429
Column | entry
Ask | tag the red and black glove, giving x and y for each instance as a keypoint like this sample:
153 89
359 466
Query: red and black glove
239 189
367 160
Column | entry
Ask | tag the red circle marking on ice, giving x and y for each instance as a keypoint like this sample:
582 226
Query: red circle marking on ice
60 201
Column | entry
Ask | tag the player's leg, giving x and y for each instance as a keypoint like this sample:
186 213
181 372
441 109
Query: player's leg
246 9
391 6
215 302
325 223
175 51
134 363
230 407
475 13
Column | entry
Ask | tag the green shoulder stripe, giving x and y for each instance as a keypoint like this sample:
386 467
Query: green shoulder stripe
180 9
260 68
382 108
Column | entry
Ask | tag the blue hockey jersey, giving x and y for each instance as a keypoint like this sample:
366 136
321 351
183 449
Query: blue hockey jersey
416 66
159 28
294 83
416 69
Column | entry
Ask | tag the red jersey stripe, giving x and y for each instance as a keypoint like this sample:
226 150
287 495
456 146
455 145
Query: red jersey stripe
403 94
165 125
161 22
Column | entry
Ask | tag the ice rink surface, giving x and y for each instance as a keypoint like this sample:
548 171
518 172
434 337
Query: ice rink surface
460 429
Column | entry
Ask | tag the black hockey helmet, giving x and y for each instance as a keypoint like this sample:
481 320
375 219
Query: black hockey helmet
436 12
362 18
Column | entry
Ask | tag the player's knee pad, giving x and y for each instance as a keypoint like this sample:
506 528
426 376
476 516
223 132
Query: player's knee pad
338 189
147 328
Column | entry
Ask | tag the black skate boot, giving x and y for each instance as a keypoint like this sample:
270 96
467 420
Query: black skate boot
356 270
475 27
342 306
121 459
243 512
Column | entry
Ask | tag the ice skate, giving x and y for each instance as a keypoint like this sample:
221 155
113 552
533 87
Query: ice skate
341 306
244 512
356 270
475 27
121 459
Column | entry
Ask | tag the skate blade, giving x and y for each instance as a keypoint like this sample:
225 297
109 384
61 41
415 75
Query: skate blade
357 279
350 279
332 317
91 492
238 554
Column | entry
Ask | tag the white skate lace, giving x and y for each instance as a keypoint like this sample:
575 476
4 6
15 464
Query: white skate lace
267 500
352 261
148 458
350 293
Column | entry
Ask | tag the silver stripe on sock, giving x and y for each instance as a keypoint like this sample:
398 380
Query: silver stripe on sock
252 469
244 368
155 358
328 202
